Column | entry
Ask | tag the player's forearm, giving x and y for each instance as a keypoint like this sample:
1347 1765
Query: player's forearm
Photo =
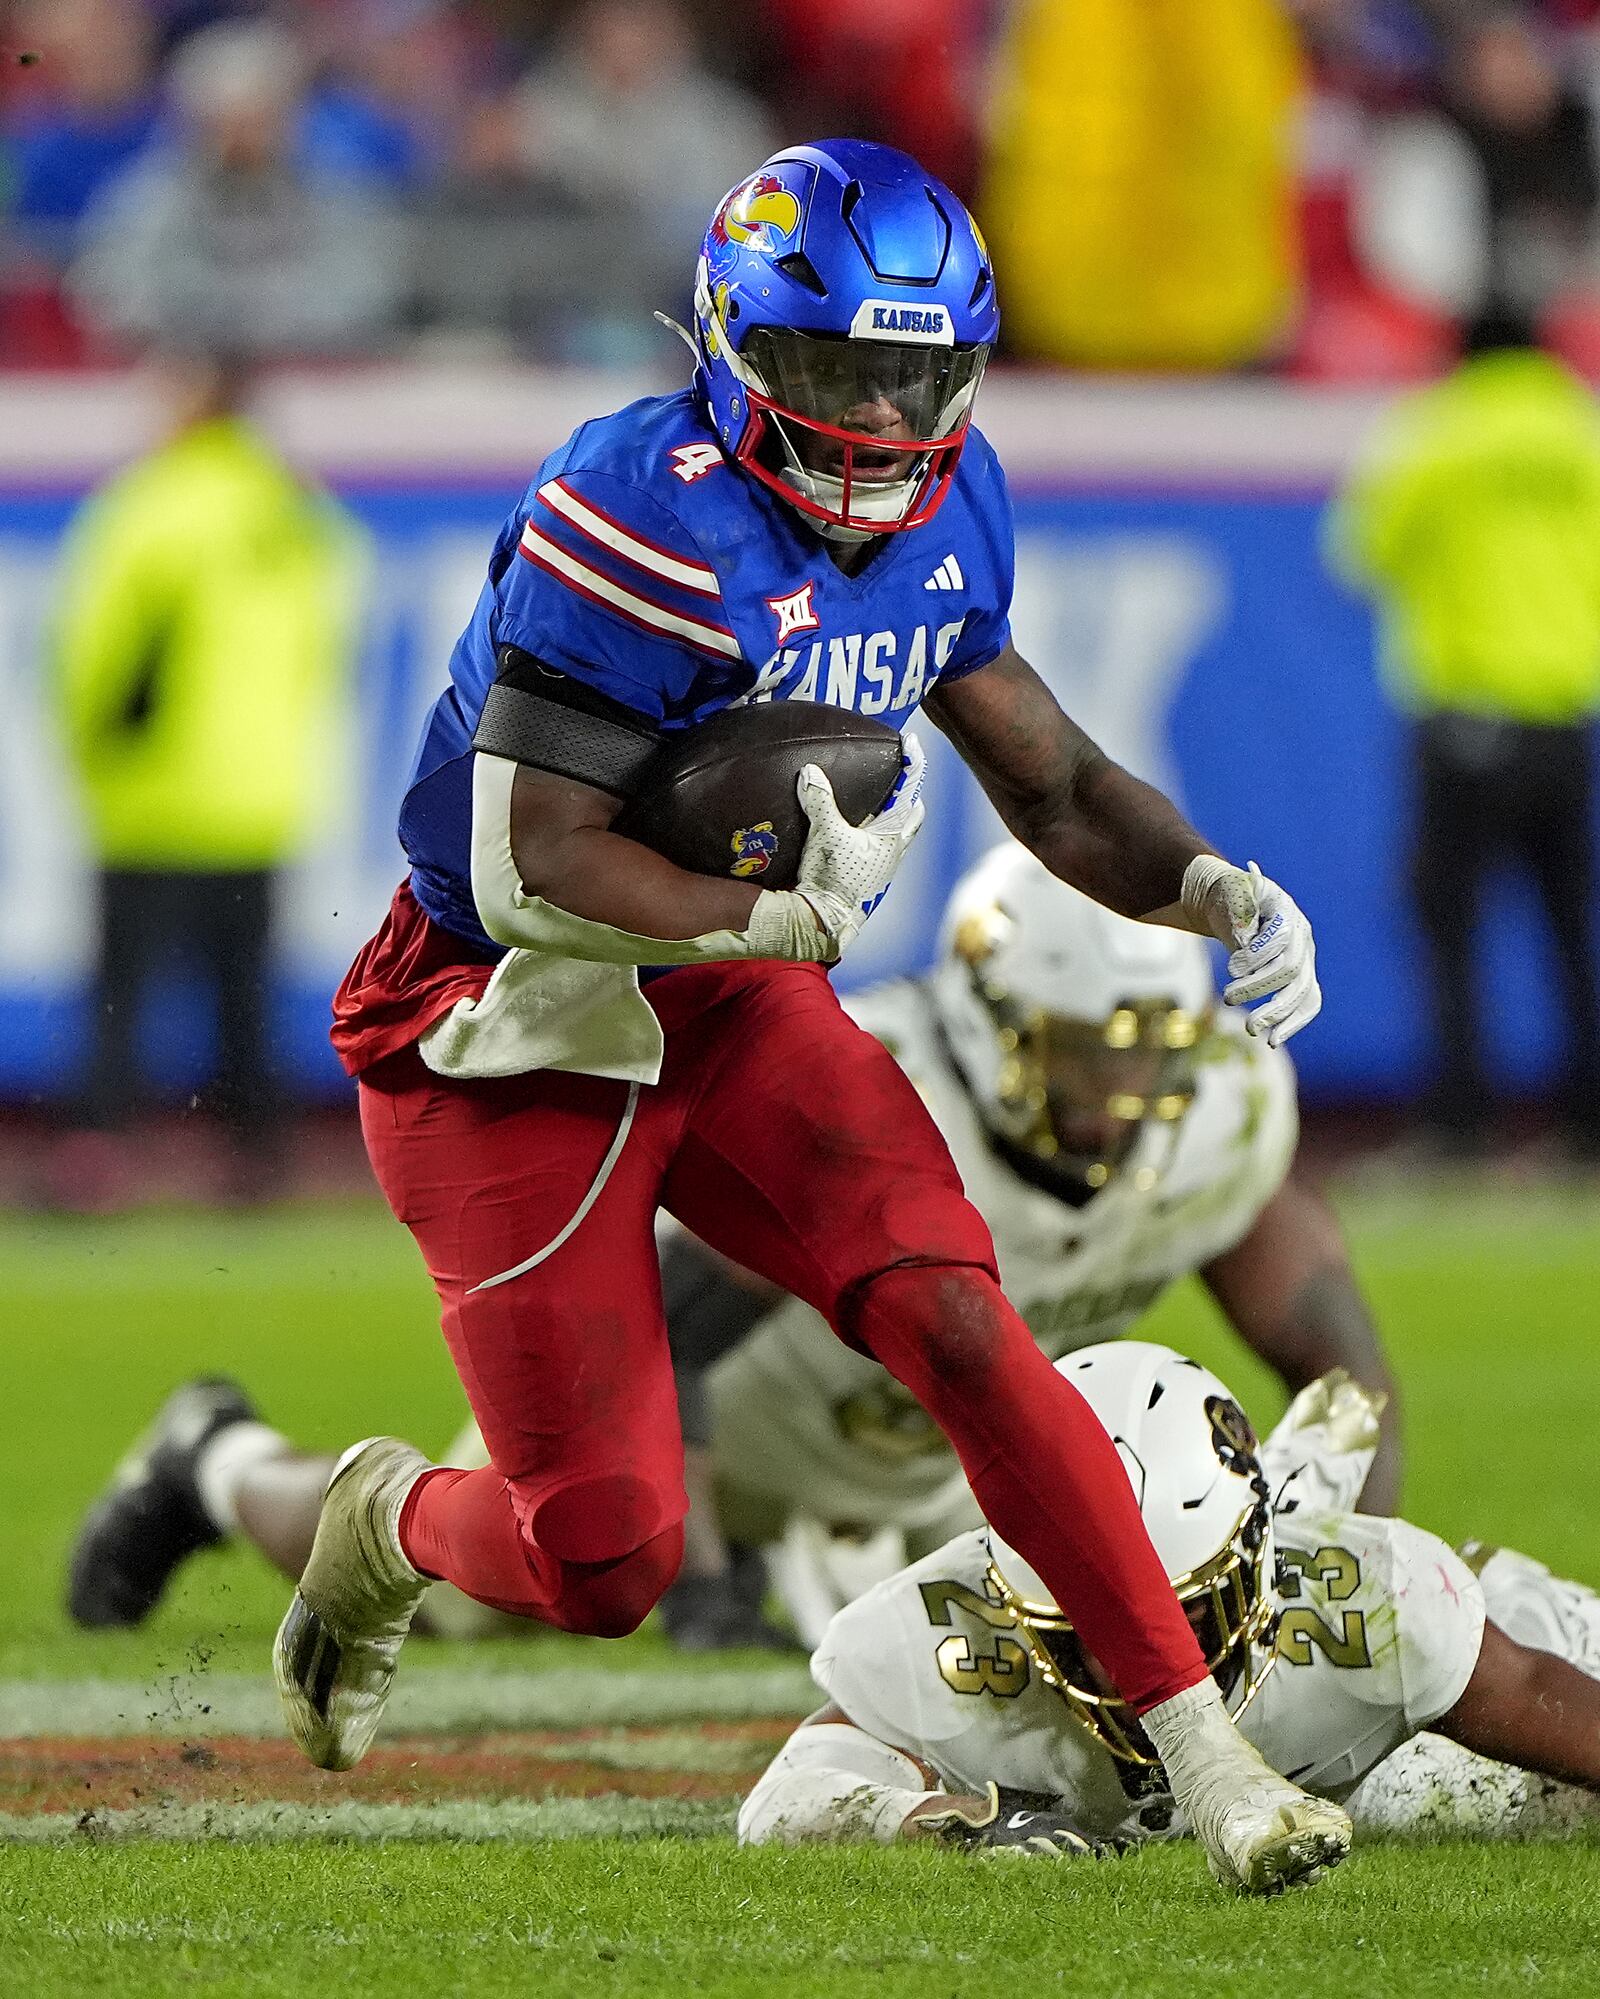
1120 841
1529 1708
1090 821
832 1783
548 875
1288 1290
605 878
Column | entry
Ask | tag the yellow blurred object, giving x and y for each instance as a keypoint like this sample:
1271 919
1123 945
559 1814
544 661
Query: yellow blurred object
201 644
1139 195
1476 523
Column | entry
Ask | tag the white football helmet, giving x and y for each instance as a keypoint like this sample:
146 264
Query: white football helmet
1190 1456
1071 1025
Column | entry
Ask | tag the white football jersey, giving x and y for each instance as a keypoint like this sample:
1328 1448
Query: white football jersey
803 1421
1380 1631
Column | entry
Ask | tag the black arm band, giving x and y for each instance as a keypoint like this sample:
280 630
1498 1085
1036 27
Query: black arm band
536 716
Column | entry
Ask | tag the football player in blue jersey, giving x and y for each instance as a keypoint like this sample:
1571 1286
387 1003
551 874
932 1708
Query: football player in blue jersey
557 1032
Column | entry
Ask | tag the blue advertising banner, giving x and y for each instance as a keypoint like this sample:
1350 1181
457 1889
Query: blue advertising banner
1197 635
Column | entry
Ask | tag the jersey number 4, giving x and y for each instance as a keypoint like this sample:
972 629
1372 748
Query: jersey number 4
992 1664
693 461
1300 1628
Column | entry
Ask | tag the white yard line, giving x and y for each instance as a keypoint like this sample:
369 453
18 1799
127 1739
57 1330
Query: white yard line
510 1822
424 1703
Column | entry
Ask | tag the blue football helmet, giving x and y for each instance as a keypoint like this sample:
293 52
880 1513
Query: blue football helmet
844 310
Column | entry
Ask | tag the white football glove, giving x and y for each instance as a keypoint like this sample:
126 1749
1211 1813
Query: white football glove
1271 946
1325 1442
846 870
1344 1415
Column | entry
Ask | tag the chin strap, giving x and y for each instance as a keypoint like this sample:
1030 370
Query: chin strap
821 486
674 326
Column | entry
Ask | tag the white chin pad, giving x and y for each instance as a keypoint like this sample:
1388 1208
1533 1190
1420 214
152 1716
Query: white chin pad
889 504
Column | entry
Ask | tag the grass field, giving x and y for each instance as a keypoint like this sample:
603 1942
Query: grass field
555 1812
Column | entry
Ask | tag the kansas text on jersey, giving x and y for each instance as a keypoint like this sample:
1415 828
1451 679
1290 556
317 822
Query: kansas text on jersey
642 564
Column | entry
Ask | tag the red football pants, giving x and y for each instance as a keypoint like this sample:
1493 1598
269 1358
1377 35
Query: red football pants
786 1137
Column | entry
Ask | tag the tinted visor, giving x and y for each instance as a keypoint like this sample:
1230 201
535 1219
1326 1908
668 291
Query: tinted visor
849 384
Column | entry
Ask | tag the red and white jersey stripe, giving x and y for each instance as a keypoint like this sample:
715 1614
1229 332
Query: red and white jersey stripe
636 548
715 639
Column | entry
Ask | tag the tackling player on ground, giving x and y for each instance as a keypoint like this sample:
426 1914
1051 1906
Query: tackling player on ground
964 1707
528 1104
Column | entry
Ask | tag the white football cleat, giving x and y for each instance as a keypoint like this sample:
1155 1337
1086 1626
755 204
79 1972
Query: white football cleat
1267 1834
335 1652
1260 1832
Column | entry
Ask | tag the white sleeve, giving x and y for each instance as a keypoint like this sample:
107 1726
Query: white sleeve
831 1781
782 924
1540 1610
1439 1619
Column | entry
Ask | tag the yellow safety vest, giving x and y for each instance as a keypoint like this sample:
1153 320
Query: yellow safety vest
201 644
1476 525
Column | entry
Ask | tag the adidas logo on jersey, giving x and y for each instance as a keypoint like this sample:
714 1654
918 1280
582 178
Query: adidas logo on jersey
947 576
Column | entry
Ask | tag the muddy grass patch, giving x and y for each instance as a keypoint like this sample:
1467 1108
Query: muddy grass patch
713 1763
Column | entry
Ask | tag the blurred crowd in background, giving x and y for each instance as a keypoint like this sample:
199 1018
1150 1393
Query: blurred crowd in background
1357 191
1336 186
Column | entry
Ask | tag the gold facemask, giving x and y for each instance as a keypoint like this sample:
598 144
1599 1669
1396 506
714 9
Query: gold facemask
1137 1065
1231 1607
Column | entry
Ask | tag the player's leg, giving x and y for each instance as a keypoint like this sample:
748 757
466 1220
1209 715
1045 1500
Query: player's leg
446 1612
1433 1787
206 1471
1558 847
1453 836
1536 1608
810 1158
239 930
822 1459
564 1357
532 1199
716 1601
164 1502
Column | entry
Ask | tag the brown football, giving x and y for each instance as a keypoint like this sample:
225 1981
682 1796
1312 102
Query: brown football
719 798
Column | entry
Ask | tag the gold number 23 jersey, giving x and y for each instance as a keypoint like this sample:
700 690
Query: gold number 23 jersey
1380 1630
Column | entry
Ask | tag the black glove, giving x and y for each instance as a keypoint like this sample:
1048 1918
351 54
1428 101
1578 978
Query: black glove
1010 1822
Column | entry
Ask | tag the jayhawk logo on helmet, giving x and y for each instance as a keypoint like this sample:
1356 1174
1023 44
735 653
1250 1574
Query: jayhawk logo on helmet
827 268
758 214
753 849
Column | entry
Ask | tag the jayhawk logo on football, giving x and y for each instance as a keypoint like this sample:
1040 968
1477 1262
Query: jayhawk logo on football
758 214
753 849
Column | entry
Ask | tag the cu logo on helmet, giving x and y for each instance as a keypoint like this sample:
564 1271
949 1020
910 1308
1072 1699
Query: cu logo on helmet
753 849
1232 1438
